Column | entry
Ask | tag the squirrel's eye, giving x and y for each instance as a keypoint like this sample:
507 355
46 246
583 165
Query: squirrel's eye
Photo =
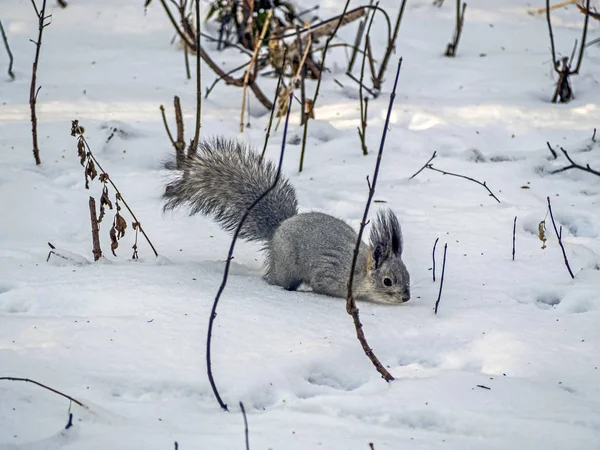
387 281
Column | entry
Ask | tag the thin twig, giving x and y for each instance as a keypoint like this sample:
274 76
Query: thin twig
10 55
164 118
37 383
357 41
192 150
437 302
180 142
277 88
350 302
424 166
257 46
559 236
514 237
33 91
363 107
430 167
213 313
317 89
378 81
554 154
356 80
245 426
574 165
232 71
433 256
583 37
552 49
96 250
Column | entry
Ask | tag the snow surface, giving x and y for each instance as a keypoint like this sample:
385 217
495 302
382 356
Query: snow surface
127 338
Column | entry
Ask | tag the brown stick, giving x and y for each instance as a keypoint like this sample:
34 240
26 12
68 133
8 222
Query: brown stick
10 55
350 302
257 46
164 118
33 92
378 82
96 250
180 142
583 38
193 149
37 383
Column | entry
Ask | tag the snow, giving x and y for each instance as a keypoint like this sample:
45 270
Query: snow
127 338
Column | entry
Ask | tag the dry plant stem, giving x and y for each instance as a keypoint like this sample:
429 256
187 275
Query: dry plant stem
460 19
437 302
277 90
378 81
301 75
559 237
583 38
96 250
364 105
180 142
318 88
41 14
187 62
357 81
257 46
350 302
37 383
262 98
10 55
425 166
554 154
433 256
357 41
121 198
574 165
213 313
430 167
245 426
514 237
193 149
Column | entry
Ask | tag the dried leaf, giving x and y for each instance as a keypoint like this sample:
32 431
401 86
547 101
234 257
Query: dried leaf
542 233
136 226
120 224
104 201
90 173
81 151
103 178
113 239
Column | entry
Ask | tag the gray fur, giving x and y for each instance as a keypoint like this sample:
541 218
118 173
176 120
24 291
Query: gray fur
311 248
223 180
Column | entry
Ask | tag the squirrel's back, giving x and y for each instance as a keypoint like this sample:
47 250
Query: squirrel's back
223 180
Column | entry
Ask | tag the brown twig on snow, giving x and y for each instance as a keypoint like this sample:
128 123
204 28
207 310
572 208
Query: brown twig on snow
364 102
85 154
229 73
563 91
574 165
433 257
357 40
460 21
213 313
350 302
559 237
309 114
437 302
514 238
37 383
429 166
245 426
96 250
277 93
193 148
179 144
378 81
33 92
257 46
10 55
424 167
587 12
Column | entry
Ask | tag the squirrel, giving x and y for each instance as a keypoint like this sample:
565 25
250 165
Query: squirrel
225 177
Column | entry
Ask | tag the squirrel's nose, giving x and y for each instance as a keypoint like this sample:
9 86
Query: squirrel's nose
405 295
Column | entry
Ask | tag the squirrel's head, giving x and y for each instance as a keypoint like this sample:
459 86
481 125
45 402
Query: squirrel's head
389 280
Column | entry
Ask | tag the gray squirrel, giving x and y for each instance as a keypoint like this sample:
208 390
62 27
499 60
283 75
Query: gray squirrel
225 177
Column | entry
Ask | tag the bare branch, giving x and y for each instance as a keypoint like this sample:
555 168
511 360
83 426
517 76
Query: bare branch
437 302
37 383
559 237
10 55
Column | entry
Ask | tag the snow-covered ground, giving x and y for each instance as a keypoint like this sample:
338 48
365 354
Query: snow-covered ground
127 338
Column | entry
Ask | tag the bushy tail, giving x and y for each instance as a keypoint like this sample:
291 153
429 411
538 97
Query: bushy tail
223 180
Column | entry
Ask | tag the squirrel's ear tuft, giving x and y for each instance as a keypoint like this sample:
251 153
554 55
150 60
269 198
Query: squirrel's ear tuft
386 236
